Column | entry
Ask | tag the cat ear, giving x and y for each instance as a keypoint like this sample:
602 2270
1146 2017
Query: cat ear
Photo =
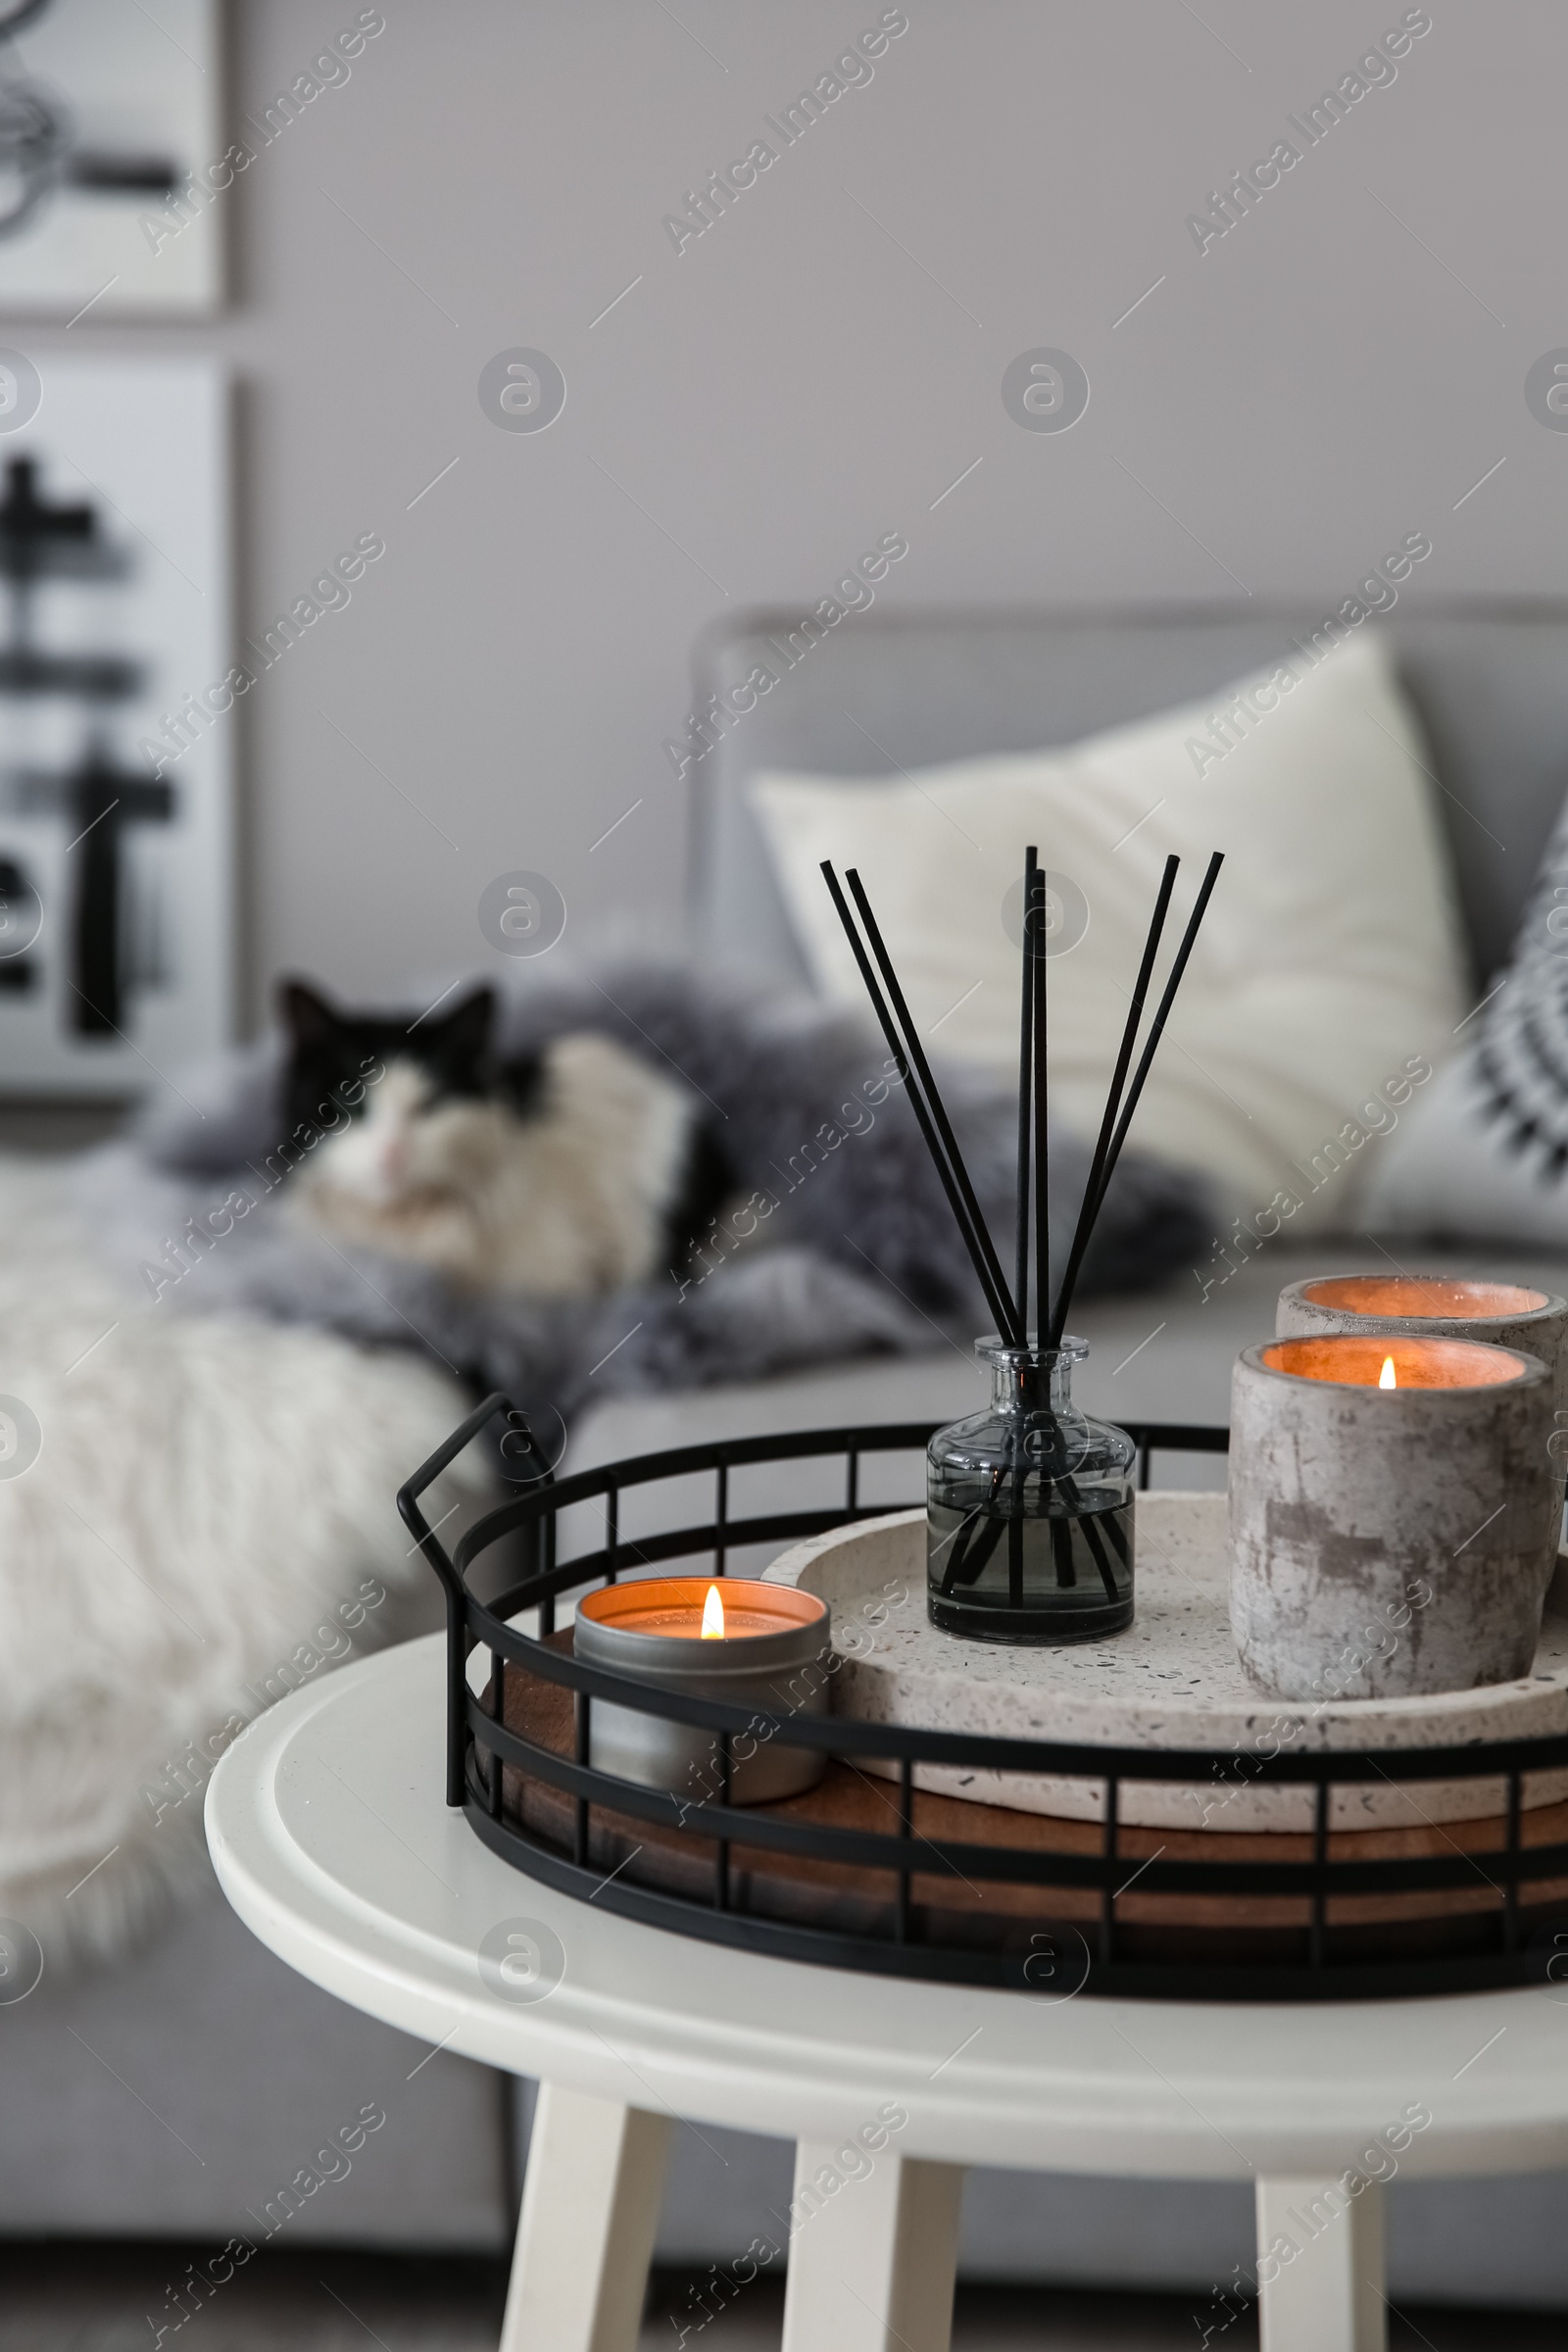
466 1031
521 1084
308 1017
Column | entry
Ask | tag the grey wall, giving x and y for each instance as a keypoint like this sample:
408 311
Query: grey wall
814 372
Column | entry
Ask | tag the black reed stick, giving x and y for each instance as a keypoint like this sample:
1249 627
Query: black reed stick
1009 1329
1108 1125
1042 1155
1025 1088
1156 1030
996 1292
1026 1019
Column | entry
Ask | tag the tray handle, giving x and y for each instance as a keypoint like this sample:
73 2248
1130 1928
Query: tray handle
519 1447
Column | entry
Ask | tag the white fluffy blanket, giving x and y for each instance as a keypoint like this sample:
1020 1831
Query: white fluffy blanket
209 1520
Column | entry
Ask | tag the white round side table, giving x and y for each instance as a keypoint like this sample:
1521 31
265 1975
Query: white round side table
331 1839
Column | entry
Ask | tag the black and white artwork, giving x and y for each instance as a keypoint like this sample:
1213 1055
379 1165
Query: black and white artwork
115 830
112 170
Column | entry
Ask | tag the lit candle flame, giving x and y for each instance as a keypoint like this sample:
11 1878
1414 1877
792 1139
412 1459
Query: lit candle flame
712 1616
1386 1379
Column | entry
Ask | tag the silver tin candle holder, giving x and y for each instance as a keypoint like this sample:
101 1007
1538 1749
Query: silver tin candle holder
1393 1514
775 1655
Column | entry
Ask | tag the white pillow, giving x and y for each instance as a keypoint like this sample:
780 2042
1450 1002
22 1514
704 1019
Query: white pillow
1329 961
1483 1153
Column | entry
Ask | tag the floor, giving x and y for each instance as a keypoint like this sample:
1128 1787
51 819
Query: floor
55 2298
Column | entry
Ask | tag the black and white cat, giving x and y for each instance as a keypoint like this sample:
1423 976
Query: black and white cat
573 1173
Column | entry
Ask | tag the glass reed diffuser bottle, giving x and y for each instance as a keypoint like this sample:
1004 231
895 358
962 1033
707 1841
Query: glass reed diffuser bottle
1029 1505
1029 1519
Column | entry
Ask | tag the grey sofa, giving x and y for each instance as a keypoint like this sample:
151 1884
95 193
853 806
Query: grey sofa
167 2096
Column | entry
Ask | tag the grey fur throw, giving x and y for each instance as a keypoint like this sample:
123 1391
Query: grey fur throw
860 1255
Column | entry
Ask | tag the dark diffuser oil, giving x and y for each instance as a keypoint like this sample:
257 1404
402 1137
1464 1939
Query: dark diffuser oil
1060 1576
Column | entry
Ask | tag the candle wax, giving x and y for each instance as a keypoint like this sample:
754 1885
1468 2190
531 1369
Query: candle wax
1410 1296
1354 1361
678 1619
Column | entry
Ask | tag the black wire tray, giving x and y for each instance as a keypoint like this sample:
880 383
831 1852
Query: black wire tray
1075 1906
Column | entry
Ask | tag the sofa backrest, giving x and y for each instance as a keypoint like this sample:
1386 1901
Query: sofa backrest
879 694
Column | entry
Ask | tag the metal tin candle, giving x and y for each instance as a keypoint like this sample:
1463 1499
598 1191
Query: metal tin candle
1505 1314
734 1640
1393 1514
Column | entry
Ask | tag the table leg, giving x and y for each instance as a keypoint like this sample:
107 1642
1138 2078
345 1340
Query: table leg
1320 2267
871 2261
585 2236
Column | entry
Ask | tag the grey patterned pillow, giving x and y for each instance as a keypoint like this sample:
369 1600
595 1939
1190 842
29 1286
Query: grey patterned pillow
1483 1153
1520 1057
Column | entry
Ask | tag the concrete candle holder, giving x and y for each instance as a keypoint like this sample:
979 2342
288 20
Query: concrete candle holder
1393 1514
1501 1313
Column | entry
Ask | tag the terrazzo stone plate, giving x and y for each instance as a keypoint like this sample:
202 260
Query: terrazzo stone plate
1171 1680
